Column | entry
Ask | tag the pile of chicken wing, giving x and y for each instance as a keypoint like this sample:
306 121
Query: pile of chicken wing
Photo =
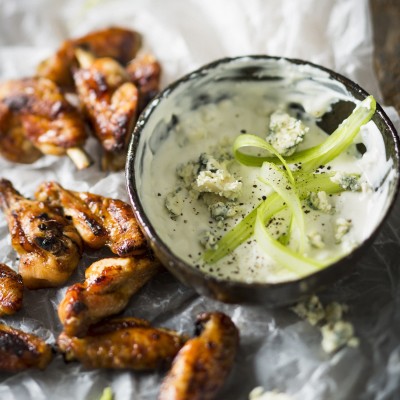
110 79
96 84
50 233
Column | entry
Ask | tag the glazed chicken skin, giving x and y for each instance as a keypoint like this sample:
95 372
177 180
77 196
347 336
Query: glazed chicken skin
14 145
110 102
118 43
11 291
101 221
20 350
47 120
48 244
145 71
202 365
108 286
122 343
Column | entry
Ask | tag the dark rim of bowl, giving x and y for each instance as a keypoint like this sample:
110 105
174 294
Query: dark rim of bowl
151 233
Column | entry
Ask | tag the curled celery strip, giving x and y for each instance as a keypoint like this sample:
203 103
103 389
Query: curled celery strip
339 140
234 238
284 239
277 179
248 140
285 256
315 156
269 207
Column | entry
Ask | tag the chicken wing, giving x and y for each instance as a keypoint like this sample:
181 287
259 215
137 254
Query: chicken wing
48 244
118 43
110 101
108 286
11 291
201 366
14 145
48 121
20 350
144 71
100 221
122 343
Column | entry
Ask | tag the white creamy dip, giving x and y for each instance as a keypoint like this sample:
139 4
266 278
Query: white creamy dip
226 109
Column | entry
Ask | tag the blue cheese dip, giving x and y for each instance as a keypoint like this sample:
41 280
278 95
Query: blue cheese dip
194 191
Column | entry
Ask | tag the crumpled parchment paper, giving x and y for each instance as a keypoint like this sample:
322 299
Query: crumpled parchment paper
278 350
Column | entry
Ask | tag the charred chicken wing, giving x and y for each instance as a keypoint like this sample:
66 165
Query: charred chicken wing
14 145
108 286
20 350
11 291
110 101
144 71
122 343
47 120
100 221
48 244
201 366
118 43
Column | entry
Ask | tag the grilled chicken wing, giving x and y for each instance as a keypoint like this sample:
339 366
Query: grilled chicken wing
100 221
122 343
144 71
48 121
110 102
11 291
108 286
201 366
48 244
118 43
20 350
14 145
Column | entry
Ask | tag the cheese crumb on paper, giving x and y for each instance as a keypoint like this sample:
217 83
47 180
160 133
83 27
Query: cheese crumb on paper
258 393
336 333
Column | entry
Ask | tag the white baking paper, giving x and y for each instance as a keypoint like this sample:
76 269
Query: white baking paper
278 351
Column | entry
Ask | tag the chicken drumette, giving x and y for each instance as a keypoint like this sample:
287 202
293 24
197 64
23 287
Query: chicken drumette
14 145
100 221
122 343
11 291
117 43
110 102
48 244
108 286
202 365
20 350
34 113
144 71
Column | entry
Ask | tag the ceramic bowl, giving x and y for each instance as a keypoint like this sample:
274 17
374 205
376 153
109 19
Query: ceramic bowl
196 89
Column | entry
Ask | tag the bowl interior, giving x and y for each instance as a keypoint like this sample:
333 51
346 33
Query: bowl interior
251 81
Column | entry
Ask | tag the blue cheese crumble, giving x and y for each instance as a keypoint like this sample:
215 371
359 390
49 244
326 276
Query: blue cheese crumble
343 227
209 178
347 181
209 175
220 182
285 132
174 202
209 240
220 210
311 310
336 333
214 177
320 201
316 240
